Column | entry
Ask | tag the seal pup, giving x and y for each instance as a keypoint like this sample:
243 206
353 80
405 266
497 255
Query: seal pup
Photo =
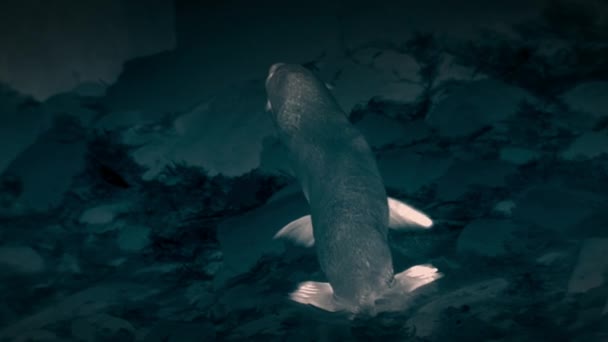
349 208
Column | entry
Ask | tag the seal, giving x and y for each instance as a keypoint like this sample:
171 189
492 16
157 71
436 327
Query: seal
350 213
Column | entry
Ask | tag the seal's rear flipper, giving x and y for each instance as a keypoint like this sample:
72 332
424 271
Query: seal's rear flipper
298 231
403 216
316 294
416 276
408 286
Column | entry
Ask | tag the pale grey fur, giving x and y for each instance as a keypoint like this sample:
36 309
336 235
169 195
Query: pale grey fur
339 176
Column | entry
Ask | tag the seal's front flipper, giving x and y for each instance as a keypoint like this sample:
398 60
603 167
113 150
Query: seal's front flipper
316 294
403 216
416 276
298 231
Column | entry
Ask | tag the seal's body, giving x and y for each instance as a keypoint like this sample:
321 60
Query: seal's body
340 179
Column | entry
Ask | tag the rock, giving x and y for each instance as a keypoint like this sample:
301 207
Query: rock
518 156
468 107
554 207
380 130
59 160
408 171
76 106
69 264
462 174
90 89
450 70
505 207
132 238
199 294
274 157
21 259
224 135
100 326
397 65
213 263
591 98
37 335
246 238
181 332
591 267
427 319
159 268
21 122
588 145
414 131
103 214
81 304
269 325
489 238
293 189
83 330
358 84
550 258
593 225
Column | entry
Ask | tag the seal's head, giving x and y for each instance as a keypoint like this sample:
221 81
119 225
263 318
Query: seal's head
296 95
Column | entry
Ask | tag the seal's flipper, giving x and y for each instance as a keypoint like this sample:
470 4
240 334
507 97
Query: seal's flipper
298 231
316 294
268 106
406 288
416 276
403 216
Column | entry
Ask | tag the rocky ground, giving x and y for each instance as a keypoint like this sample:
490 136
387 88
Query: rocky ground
117 228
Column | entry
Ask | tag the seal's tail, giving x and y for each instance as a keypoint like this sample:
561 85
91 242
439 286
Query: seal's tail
398 297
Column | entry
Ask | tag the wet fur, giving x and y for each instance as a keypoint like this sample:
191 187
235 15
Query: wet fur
339 177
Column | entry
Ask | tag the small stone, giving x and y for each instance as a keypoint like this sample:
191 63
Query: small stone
550 258
505 207
212 268
591 267
21 259
133 238
102 214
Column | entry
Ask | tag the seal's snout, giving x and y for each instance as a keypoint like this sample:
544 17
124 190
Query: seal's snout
273 69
